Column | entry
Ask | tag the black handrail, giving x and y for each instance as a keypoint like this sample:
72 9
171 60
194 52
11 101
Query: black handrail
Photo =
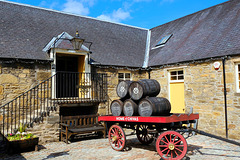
63 87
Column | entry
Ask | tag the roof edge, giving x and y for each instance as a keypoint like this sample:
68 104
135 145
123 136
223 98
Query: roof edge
68 13
191 14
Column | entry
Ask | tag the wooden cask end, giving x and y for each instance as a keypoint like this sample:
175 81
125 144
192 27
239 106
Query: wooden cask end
154 106
130 108
122 89
144 87
116 107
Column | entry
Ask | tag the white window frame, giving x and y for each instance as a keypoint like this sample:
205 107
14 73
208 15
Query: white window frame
124 76
237 78
169 75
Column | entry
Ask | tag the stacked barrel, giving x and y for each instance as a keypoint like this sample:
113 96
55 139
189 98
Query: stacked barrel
138 98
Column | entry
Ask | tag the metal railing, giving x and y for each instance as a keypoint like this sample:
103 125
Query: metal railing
63 87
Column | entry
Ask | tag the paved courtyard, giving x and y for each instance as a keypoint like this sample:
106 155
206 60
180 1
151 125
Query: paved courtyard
199 148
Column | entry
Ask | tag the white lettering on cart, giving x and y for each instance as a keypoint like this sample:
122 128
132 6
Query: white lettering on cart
131 119
120 118
127 119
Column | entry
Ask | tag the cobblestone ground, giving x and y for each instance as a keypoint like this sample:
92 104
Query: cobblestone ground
199 148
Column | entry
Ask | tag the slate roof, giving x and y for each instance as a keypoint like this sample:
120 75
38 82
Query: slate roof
212 32
26 30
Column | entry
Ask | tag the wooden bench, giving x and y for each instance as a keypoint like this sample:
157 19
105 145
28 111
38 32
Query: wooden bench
72 125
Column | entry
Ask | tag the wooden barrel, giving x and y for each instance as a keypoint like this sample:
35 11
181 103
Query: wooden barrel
130 108
122 89
144 87
116 107
154 106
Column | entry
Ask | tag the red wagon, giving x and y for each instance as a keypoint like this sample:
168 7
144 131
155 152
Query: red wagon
170 144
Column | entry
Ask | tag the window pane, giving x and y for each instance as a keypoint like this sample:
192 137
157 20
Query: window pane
174 73
181 77
180 72
173 77
239 67
120 75
127 75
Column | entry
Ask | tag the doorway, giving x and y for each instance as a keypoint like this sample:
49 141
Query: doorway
176 91
67 76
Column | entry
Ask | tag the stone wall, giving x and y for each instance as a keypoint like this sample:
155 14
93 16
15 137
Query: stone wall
48 130
113 82
16 78
204 91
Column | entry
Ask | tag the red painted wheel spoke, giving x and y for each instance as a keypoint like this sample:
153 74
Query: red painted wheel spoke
119 144
178 141
171 154
166 139
179 145
163 141
121 141
113 131
170 137
167 153
112 134
178 149
176 153
164 149
174 138
162 145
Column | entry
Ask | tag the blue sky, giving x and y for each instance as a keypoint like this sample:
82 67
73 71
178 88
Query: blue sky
140 13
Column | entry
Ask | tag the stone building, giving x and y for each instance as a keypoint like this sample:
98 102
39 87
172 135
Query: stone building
36 44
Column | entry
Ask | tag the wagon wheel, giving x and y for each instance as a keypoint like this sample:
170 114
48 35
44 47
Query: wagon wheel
143 134
171 145
117 138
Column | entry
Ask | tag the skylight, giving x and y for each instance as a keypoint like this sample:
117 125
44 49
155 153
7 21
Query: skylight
164 40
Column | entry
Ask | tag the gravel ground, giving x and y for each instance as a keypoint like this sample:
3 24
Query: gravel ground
199 148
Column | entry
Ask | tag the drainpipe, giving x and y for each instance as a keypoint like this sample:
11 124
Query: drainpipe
149 73
225 96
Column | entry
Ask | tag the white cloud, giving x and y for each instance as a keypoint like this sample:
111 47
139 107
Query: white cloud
117 16
48 5
78 6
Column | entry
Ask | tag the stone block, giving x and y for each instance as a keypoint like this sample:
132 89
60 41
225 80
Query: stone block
231 126
238 107
229 78
53 119
27 71
41 76
22 75
1 89
8 78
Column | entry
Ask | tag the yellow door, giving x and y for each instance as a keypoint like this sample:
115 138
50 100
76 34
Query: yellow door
176 94
177 97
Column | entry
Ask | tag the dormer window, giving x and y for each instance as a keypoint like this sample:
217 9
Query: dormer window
164 40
